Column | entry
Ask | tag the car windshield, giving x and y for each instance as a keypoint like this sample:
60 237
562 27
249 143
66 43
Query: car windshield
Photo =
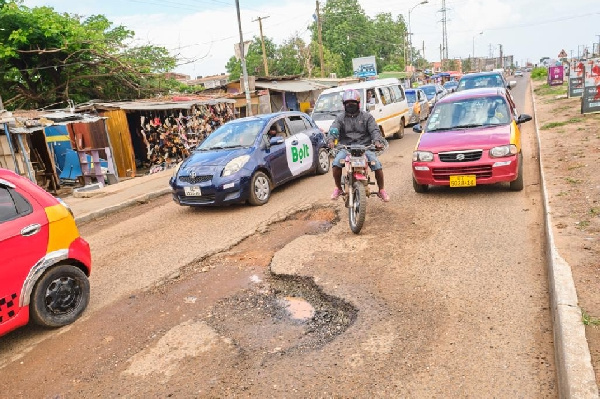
469 113
476 82
449 85
429 91
332 102
233 134
411 97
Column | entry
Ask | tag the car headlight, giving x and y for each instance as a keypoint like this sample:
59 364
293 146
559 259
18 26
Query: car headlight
235 165
422 156
177 169
503 151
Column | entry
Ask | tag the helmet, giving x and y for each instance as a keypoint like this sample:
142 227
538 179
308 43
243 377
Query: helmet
351 95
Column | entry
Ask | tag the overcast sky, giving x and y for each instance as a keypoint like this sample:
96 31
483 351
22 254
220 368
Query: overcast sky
204 31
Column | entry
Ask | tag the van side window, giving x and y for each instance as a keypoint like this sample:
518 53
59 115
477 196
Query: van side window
384 92
398 93
372 97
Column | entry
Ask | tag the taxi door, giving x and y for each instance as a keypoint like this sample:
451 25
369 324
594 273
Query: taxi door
23 242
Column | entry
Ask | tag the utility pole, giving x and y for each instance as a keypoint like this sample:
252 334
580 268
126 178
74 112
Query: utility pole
598 45
243 59
259 19
444 29
501 57
319 26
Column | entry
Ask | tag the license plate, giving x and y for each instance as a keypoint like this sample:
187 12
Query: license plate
462 181
192 191
358 162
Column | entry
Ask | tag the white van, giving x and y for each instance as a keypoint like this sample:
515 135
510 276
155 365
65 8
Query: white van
383 98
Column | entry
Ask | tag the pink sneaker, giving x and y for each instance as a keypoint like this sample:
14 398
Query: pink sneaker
383 195
336 193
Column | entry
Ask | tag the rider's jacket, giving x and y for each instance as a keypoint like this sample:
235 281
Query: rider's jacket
358 129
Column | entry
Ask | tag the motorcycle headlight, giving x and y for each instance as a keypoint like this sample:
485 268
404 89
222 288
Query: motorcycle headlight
235 165
503 151
422 156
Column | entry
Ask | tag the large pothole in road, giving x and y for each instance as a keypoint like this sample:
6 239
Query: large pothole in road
278 314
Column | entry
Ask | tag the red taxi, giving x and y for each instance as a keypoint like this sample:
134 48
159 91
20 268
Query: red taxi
471 137
44 263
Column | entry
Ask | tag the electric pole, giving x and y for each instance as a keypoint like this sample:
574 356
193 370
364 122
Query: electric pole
501 57
243 59
444 30
319 26
259 19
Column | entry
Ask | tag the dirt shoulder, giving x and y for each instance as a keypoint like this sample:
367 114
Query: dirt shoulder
570 144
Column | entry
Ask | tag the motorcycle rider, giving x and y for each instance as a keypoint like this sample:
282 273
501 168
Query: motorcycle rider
354 126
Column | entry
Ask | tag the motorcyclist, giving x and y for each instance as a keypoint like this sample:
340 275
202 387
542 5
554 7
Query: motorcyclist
354 126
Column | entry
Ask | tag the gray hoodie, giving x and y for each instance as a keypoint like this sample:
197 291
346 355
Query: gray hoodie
358 129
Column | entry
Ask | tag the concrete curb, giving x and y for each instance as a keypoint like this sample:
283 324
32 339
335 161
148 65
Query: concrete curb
114 208
576 378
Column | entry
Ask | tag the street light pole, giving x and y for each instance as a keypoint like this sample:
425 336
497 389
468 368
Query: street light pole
410 57
243 58
473 54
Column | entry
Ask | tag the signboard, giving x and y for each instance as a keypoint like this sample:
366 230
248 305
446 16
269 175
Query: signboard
575 86
364 67
562 54
555 75
590 101
236 49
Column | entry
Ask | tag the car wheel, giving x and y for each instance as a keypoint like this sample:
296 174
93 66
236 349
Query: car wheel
260 189
517 185
60 296
400 133
420 188
323 161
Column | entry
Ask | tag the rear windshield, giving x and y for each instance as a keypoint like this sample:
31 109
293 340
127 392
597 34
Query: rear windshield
332 102
411 97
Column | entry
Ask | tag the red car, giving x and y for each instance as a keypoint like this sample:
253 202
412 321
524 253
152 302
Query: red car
472 137
44 263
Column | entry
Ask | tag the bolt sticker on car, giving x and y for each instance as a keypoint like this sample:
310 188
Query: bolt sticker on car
299 153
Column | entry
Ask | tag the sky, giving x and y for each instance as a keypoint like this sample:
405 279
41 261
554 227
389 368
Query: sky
202 33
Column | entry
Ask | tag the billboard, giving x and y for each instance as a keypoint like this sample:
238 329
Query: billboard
590 101
364 67
555 75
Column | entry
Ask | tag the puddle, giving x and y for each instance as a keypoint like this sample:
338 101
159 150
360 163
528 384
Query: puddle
298 308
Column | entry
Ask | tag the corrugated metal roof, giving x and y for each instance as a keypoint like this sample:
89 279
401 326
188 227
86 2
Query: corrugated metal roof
159 105
294 86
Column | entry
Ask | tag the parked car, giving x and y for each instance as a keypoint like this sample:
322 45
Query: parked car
241 161
484 79
472 137
434 93
418 107
44 263
383 98
451 86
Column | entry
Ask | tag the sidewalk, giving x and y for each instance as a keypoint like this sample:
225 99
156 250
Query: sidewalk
111 198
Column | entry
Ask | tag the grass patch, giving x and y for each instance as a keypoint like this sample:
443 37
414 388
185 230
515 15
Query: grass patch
552 125
562 194
595 211
572 180
576 166
539 73
545 90
589 320
583 224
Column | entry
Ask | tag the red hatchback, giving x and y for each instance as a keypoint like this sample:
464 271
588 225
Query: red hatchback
471 137
44 263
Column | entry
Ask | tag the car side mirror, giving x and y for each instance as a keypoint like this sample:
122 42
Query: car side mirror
276 140
417 128
523 118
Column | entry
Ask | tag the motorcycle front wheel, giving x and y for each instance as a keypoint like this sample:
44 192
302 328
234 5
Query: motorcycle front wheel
358 211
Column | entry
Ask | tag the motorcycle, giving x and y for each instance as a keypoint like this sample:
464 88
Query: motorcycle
356 183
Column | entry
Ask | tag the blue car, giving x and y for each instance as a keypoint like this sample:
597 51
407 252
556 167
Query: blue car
244 159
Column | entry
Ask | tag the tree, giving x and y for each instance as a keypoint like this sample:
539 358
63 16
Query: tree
389 38
290 58
47 58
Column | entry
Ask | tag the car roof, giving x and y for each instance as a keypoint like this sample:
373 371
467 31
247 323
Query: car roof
475 74
363 85
268 117
474 93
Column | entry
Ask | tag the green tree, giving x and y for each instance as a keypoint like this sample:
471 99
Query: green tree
290 58
48 57
389 41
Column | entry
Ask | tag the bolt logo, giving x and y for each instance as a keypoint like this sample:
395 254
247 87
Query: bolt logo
299 155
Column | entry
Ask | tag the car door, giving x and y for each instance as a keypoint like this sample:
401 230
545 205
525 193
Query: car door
301 152
23 242
275 154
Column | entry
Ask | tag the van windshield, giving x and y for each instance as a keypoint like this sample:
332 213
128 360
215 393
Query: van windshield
332 102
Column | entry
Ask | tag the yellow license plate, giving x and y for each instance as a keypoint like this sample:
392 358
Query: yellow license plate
462 181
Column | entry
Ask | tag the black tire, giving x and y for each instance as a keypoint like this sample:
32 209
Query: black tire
420 188
323 162
260 189
518 184
358 211
60 296
400 133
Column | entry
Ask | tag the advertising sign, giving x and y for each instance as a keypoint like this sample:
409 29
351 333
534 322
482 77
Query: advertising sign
590 102
555 75
364 67
575 86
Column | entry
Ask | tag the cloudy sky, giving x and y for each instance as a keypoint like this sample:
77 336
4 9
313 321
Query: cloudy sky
203 32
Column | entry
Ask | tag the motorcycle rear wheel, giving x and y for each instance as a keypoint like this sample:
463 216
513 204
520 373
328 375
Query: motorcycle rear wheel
358 211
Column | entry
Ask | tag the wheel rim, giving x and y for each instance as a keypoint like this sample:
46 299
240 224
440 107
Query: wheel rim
63 295
324 159
261 188
355 208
